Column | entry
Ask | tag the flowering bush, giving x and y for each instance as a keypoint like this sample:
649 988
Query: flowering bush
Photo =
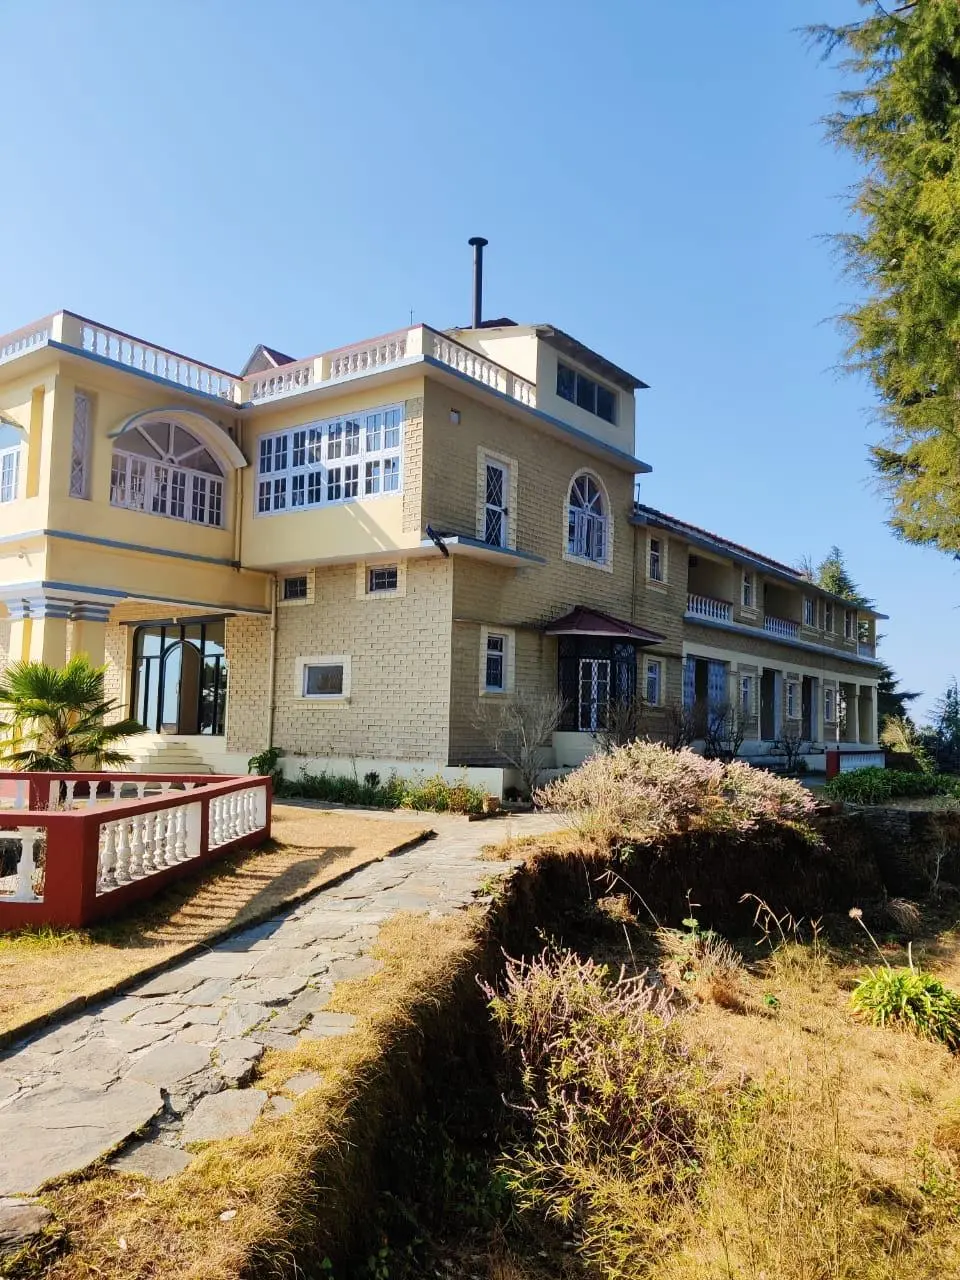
644 792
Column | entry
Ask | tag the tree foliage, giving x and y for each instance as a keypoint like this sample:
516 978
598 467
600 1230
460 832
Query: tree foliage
55 718
891 699
832 575
901 119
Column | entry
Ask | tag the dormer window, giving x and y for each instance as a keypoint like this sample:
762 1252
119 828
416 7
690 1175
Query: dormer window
586 393
164 470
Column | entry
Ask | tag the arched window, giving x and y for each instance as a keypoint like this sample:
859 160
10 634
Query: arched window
159 467
587 520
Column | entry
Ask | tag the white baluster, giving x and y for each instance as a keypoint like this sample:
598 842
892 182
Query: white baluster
53 794
108 858
141 790
169 836
27 866
180 837
91 794
68 798
135 863
121 862
116 789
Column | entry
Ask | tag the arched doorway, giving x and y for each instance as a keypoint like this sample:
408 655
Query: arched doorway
180 677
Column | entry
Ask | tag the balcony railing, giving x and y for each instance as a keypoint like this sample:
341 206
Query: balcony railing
290 379
866 648
708 607
78 847
781 627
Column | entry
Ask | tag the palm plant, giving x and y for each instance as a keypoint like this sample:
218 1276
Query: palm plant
54 719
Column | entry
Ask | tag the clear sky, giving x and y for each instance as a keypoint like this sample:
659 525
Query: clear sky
652 178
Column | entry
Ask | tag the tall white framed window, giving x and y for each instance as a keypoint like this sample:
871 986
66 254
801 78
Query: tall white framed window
495 675
653 682
748 593
162 469
495 512
829 706
337 460
655 558
792 709
809 611
746 695
849 624
587 521
9 473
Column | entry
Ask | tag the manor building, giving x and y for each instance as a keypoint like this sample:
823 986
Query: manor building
348 556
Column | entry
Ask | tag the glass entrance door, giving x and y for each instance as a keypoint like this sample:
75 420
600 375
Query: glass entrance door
180 677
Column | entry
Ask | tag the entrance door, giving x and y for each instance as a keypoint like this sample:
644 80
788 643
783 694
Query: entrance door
594 694
180 677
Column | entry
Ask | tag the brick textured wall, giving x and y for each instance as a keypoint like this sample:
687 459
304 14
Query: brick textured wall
399 647
248 691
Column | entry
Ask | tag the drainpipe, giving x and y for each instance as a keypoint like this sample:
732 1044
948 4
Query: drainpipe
272 663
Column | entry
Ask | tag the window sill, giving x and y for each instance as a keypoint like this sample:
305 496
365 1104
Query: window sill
321 699
603 565
657 584
495 693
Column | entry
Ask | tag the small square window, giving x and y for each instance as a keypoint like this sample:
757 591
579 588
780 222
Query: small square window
323 681
383 578
496 649
295 588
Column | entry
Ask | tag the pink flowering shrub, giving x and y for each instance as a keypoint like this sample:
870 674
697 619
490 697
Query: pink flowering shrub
644 792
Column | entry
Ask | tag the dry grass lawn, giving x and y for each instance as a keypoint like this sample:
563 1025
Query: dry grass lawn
40 973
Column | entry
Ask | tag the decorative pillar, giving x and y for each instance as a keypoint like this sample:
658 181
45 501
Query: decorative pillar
89 631
48 632
18 611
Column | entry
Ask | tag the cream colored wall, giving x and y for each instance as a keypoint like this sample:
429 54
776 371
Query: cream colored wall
399 648
515 347
620 434
362 528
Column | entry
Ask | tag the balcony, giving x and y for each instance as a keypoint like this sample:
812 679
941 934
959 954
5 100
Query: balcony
707 607
781 627
866 648
389 351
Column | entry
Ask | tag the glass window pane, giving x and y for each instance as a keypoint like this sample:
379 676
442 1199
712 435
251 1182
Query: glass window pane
586 393
606 404
566 383
323 681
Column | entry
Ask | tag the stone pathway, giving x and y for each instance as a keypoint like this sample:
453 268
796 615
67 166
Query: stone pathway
175 1055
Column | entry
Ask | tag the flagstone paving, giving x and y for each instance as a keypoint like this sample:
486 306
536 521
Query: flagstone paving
171 1061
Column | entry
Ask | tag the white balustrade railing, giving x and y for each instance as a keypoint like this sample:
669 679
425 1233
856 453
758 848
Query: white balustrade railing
21 884
141 844
124 349
23 340
236 814
708 607
369 355
472 363
285 381
782 627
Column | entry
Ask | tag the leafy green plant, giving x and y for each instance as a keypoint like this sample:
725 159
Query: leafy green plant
58 718
876 786
265 763
912 999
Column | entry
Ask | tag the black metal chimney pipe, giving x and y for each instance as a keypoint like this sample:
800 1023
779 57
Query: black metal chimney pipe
478 242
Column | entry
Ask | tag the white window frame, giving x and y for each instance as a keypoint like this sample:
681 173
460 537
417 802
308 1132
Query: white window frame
509 660
583 526
502 510
154 488
10 473
660 577
809 611
748 586
829 705
355 457
829 620
651 665
746 694
373 570
596 385
790 700
849 624
303 664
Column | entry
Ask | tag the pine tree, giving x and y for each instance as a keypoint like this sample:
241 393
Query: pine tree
901 118
891 699
831 574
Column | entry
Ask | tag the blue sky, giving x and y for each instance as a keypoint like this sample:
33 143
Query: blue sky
652 178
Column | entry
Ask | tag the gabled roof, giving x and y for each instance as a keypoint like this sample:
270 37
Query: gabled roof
592 622
263 358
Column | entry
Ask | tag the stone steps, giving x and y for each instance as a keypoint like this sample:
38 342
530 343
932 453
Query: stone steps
157 753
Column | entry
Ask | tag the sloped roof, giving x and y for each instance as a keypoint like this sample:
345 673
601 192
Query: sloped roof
263 358
592 622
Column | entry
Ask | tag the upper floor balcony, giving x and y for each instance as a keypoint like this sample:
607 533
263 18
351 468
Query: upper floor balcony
112 346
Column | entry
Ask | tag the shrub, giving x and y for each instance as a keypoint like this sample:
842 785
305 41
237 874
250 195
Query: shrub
875 786
911 999
611 1101
644 793
265 764
434 794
